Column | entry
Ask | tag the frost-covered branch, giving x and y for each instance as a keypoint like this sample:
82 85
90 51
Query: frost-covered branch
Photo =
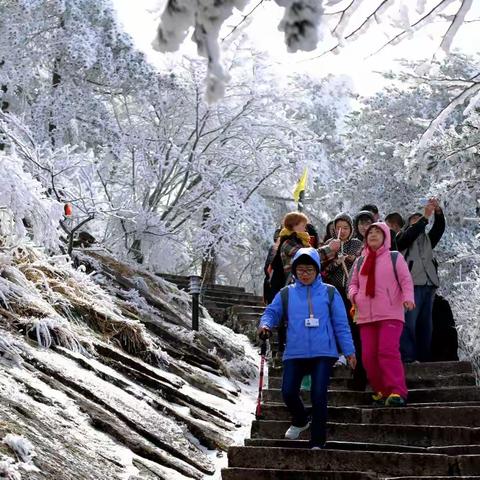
243 20
455 25
340 28
422 21
443 115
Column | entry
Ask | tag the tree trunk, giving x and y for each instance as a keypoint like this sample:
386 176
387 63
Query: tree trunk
56 79
209 266
4 108
136 251
209 259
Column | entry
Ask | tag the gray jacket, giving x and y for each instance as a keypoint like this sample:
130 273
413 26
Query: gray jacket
417 248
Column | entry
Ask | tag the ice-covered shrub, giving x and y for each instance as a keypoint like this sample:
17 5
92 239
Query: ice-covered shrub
9 352
26 208
466 307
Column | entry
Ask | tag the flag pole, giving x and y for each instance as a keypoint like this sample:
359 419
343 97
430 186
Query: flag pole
300 201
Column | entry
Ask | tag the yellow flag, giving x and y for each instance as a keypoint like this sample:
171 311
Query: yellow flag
300 187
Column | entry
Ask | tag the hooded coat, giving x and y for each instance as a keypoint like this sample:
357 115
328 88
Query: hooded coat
361 214
309 342
387 304
335 274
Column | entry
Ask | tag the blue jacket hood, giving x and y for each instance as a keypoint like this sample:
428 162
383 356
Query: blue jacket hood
310 252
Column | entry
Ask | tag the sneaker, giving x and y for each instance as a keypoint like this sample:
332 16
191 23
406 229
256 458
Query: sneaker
378 400
395 400
294 432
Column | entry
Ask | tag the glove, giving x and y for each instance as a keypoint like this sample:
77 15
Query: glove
264 333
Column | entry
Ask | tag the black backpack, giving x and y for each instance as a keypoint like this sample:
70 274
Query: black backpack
278 278
444 334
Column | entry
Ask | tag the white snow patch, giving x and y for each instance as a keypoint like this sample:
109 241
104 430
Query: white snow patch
22 447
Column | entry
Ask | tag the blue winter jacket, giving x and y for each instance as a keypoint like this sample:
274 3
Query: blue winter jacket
308 342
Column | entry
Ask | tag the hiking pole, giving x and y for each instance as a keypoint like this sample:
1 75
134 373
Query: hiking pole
263 352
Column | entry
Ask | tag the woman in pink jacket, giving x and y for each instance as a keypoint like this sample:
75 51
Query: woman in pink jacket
380 290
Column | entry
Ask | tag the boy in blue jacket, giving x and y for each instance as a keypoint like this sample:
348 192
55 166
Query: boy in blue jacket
316 323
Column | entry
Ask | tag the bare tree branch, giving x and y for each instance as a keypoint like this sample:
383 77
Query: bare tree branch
352 33
244 19
455 25
418 24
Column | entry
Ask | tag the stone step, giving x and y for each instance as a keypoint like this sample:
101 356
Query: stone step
456 477
410 435
383 463
185 281
208 304
247 309
225 302
413 382
437 415
236 297
452 450
270 474
337 445
348 397
352 414
426 370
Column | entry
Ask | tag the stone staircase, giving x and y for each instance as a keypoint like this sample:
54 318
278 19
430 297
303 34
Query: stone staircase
230 306
437 436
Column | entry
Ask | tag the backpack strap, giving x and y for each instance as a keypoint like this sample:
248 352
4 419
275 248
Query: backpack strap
394 255
284 297
360 260
331 294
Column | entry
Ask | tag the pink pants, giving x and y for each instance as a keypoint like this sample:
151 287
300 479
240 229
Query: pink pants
381 356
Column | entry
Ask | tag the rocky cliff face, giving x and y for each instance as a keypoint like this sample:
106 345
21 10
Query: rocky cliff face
102 378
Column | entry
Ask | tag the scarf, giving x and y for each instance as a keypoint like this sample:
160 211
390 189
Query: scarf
369 271
304 237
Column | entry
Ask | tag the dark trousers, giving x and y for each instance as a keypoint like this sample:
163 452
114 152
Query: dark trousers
320 369
416 340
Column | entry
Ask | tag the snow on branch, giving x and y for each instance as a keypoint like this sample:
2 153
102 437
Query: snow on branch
207 17
440 119
422 21
457 22
300 23
29 210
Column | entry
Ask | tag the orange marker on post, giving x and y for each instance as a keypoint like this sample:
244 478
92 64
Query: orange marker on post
68 210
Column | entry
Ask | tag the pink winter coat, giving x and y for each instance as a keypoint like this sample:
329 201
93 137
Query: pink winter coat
387 304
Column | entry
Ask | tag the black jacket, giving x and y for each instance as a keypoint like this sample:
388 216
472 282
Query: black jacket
406 237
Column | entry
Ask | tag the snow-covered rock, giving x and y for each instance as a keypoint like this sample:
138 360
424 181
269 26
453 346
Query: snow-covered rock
113 381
